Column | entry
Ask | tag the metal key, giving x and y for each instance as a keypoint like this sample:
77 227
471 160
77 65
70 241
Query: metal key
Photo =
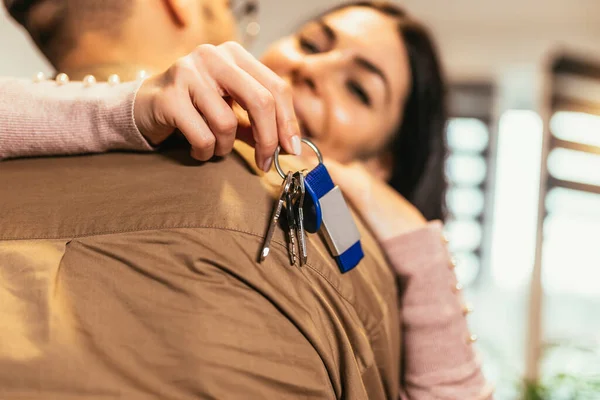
326 211
301 233
285 191
291 222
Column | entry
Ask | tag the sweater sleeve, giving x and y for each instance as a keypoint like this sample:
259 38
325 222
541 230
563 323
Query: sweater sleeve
440 361
44 118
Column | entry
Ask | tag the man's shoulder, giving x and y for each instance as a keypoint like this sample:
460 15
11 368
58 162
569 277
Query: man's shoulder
192 235
119 192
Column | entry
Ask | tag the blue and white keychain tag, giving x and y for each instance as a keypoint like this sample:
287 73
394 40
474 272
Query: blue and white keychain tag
325 209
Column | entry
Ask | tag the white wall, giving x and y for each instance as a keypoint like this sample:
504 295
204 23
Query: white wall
18 55
478 38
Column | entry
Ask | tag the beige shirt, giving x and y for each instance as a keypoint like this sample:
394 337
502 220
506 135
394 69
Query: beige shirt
136 276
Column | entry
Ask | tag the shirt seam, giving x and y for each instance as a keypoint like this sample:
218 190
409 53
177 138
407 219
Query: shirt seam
133 230
162 228
335 287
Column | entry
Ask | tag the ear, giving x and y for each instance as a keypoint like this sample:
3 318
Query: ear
182 11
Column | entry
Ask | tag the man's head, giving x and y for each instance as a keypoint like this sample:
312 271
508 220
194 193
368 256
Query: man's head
74 34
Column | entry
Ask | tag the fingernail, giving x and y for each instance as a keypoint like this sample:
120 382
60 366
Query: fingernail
296 145
267 165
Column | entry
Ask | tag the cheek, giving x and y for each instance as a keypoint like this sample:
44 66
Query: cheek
356 130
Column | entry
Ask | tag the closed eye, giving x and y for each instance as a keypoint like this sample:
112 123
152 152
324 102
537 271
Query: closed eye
308 46
358 92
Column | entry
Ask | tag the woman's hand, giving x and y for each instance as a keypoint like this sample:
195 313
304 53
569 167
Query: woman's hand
195 96
384 210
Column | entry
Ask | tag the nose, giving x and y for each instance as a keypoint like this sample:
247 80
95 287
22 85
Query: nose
316 69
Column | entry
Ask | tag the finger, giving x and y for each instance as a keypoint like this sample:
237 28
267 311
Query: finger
195 130
287 122
245 134
230 79
259 104
244 128
219 115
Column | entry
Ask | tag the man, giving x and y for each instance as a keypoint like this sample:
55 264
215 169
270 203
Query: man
115 39
135 275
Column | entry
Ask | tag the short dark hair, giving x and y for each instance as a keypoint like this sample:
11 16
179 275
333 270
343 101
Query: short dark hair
418 145
58 32
18 8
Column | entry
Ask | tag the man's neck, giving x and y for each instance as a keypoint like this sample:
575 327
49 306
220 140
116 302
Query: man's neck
101 56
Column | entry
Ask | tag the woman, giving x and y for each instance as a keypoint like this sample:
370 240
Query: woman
377 112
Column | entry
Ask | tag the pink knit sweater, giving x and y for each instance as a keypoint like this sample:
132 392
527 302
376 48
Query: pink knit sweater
45 119
440 363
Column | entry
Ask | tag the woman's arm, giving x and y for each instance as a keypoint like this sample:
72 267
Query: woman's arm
194 96
47 119
440 362
439 359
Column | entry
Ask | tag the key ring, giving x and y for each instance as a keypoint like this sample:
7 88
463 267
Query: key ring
309 144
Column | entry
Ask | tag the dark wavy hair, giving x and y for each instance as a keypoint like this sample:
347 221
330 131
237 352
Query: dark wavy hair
418 145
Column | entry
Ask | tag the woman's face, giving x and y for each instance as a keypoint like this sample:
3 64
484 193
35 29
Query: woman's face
350 76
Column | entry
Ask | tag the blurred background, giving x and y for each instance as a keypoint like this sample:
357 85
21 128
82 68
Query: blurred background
524 171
